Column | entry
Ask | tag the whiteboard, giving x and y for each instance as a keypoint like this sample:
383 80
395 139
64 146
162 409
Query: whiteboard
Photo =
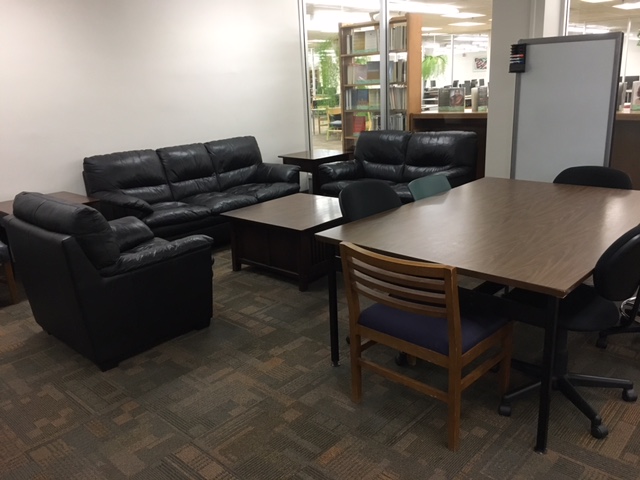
565 104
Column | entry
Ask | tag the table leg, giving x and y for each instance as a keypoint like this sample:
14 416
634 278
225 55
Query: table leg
333 306
547 374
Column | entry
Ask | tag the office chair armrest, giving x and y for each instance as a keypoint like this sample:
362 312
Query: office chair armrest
278 172
136 260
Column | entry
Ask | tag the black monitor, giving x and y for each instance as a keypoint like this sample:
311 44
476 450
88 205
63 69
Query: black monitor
455 83
629 80
433 83
481 82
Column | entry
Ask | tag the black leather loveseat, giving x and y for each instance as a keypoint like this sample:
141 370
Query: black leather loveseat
398 157
182 190
111 289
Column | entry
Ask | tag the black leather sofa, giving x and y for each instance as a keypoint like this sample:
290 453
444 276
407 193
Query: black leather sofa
398 157
109 290
182 190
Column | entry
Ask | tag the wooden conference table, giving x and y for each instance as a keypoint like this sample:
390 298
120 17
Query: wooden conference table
538 236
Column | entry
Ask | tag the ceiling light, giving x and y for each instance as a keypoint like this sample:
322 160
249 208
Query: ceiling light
627 6
362 5
587 29
596 1
466 24
430 29
418 7
463 15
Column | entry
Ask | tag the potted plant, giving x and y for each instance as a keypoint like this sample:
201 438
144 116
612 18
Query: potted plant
433 66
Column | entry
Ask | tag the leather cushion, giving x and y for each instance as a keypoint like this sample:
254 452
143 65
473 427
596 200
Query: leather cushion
90 229
220 202
382 154
130 232
235 160
173 213
138 173
431 152
265 191
189 170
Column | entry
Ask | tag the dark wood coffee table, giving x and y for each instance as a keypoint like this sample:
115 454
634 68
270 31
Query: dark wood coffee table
279 235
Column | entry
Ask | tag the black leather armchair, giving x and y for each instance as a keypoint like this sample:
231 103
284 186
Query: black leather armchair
109 290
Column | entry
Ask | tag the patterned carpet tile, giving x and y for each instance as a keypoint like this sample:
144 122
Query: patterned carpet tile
254 397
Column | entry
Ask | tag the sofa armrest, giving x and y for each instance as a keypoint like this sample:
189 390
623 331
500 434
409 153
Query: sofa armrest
116 205
130 232
460 175
128 262
342 170
278 172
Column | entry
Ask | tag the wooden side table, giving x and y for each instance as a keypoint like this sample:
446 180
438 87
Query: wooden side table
308 161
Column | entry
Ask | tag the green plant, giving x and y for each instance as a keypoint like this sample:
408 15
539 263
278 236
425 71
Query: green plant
329 73
433 66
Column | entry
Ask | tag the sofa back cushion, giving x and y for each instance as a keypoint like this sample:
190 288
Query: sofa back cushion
90 229
189 170
138 173
382 153
429 152
235 160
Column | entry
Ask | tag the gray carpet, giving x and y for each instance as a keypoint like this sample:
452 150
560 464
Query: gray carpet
254 397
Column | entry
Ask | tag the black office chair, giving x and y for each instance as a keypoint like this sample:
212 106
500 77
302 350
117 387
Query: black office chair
587 309
367 197
595 176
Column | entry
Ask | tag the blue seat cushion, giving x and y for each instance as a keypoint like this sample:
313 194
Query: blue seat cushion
429 332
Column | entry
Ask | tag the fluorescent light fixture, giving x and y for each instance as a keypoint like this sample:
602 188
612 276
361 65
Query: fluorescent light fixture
596 1
587 29
627 6
362 5
463 15
430 29
419 7
466 24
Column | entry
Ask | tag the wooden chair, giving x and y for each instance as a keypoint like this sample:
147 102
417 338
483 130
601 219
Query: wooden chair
334 121
9 279
417 310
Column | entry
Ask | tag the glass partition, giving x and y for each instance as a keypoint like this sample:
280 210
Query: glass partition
614 16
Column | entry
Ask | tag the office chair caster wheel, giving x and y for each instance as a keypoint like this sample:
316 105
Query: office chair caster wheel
401 359
629 395
602 342
599 431
504 410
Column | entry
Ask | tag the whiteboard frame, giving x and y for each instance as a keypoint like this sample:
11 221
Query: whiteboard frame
618 38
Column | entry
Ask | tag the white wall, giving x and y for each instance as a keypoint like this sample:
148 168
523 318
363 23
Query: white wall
84 77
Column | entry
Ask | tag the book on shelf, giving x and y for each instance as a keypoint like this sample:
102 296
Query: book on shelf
362 99
483 98
398 37
373 72
357 42
456 99
444 100
371 40
359 124
635 96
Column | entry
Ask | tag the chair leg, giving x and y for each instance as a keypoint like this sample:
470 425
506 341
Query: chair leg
505 363
598 430
579 380
11 282
355 349
454 406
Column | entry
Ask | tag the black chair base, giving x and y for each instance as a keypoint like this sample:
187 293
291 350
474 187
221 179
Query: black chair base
566 384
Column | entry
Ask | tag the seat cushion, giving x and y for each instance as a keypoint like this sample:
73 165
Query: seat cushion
429 332
189 170
382 154
173 213
265 191
220 202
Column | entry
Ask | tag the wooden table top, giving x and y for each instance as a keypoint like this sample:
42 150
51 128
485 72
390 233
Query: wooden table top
300 211
539 236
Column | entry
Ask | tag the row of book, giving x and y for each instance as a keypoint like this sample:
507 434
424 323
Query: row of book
452 99
362 99
369 73
397 121
398 98
368 41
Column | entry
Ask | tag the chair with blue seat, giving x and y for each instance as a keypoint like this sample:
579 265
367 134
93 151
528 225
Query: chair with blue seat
334 121
9 279
588 308
428 186
419 309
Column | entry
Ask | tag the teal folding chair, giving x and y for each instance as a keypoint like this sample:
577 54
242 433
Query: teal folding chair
428 186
